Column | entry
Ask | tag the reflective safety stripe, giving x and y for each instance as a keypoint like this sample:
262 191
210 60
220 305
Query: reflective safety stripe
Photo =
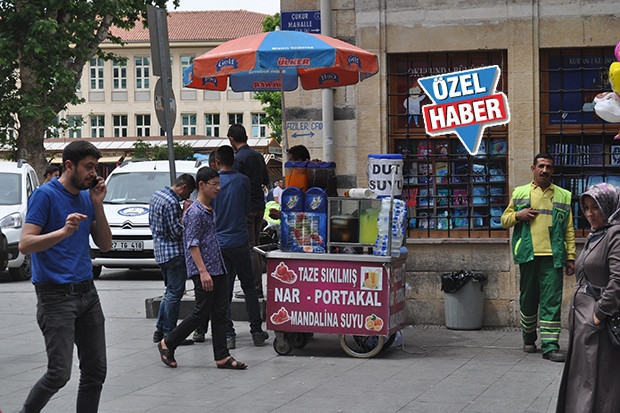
545 211
528 323
550 331
561 205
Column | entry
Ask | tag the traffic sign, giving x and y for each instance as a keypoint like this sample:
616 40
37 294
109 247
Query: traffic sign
160 106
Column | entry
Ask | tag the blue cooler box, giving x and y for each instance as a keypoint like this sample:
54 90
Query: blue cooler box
303 228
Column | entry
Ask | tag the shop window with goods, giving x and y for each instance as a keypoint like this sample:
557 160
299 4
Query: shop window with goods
448 192
583 145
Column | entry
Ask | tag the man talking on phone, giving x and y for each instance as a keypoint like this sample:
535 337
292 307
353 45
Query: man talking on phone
62 214
543 243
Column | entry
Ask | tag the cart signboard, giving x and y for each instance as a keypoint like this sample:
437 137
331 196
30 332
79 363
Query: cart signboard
335 296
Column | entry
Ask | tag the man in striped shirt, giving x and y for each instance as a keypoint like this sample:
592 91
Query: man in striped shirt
165 215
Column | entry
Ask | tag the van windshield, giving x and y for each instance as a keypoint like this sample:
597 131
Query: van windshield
135 187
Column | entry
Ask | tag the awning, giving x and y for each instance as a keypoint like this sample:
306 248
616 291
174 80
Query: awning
110 159
274 164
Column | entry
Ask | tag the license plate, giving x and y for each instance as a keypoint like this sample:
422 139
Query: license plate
127 245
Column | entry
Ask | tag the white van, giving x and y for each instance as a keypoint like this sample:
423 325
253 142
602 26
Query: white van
126 206
17 182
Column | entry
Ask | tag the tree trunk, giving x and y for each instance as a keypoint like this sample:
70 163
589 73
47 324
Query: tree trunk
30 145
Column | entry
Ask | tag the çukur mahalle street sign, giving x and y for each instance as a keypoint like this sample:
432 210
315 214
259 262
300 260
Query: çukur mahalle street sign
464 103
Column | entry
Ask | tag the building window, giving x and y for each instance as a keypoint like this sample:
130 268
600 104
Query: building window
143 125
235 118
53 131
259 126
74 124
582 144
449 193
189 123
186 61
212 124
119 76
142 72
8 133
96 73
120 126
97 126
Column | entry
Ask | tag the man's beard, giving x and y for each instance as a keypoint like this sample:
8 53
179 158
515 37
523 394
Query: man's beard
80 185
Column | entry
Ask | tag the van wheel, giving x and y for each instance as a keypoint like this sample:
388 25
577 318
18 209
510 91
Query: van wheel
23 272
97 272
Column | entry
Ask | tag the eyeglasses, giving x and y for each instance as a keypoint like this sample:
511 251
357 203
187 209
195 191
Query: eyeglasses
213 183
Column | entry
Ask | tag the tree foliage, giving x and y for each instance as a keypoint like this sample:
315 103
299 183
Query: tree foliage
44 45
272 101
147 151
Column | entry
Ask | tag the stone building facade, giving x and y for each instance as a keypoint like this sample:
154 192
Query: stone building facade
537 44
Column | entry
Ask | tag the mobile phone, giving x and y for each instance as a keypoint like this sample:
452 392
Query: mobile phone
95 183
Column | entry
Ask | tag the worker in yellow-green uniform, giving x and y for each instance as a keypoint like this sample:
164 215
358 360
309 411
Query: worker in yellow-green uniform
543 243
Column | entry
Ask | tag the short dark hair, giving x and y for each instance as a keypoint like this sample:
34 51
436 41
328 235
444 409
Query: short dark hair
186 179
78 150
205 173
542 155
226 155
211 160
50 169
299 153
237 133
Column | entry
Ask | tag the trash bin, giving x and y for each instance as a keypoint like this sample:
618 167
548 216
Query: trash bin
463 299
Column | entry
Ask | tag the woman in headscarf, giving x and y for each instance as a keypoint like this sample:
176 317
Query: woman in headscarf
590 381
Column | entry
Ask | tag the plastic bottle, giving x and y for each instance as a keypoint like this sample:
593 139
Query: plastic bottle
383 229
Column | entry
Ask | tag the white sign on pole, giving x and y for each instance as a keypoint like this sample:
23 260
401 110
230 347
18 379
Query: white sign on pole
301 129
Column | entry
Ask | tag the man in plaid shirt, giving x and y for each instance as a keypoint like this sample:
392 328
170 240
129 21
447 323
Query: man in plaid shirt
165 215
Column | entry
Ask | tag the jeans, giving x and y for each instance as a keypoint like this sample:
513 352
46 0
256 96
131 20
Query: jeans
254 223
208 304
175 276
239 264
66 319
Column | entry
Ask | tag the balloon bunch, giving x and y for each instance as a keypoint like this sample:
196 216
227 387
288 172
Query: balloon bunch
607 104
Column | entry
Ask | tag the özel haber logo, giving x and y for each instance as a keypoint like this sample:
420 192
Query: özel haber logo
464 103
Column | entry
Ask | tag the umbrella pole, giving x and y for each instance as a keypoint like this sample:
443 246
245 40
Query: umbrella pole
284 128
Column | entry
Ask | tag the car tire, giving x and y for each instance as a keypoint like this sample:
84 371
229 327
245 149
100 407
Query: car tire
24 271
97 272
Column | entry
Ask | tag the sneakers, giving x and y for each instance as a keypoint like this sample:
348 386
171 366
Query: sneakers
158 336
259 338
186 342
259 293
240 295
231 343
555 355
529 348
199 336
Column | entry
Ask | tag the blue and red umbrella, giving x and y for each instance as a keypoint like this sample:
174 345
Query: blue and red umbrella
279 61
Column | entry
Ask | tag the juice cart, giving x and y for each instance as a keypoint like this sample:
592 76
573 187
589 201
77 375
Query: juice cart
345 290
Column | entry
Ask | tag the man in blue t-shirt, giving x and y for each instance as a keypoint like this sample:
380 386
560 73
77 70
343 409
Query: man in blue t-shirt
61 216
231 208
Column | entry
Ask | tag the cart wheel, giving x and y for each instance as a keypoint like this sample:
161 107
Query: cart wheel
388 343
283 346
361 346
299 340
